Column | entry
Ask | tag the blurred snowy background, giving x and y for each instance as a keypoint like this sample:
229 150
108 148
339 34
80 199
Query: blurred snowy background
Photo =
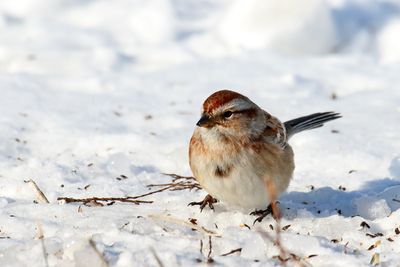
94 89
38 35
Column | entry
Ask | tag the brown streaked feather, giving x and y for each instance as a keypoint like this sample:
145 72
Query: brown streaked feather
275 131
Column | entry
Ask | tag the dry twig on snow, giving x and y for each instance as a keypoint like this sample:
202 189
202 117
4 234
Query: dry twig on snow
159 262
179 182
232 251
96 201
40 236
40 196
198 228
104 262
284 255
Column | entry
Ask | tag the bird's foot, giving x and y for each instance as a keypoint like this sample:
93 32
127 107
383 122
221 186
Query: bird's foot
263 213
208 200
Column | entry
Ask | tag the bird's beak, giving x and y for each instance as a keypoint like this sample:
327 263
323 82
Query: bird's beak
205 121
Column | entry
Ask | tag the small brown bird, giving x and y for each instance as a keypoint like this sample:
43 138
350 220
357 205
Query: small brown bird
238 148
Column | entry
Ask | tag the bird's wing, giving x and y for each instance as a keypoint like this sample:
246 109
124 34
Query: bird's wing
275 131
309 122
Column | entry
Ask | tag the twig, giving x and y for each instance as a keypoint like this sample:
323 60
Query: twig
101 256
44 250
208 259
176 186
177 176
232 251
276 213
150 193
39 194
159 262
198 228
284 254
95 200
209 248
178 183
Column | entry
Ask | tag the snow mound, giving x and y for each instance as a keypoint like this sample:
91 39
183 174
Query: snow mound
392 197
388 42
371 207
294 27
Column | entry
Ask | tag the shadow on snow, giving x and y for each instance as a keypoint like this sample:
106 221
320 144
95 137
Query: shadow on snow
326 201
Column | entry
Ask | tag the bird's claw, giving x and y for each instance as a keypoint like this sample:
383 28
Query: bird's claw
263 213
208 200
258 212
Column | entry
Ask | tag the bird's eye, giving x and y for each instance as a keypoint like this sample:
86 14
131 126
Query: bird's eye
227 114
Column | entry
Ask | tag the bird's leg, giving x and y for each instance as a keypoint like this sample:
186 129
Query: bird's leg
263 213
208 200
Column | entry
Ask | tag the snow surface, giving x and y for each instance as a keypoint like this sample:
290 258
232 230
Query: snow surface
91 90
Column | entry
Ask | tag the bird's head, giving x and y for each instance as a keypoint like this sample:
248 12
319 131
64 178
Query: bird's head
232 114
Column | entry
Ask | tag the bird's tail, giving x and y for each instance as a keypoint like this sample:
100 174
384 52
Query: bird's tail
309 122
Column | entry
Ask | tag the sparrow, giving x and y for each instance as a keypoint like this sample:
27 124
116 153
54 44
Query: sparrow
238 151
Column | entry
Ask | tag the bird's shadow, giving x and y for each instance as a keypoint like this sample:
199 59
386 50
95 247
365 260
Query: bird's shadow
326 201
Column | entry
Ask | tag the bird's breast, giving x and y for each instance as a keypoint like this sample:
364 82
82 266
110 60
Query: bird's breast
236 173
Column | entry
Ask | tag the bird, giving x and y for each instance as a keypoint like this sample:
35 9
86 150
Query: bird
238 152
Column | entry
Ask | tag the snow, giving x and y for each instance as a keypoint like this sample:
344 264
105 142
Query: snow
389 41
93 89
283 26
372 208
395 167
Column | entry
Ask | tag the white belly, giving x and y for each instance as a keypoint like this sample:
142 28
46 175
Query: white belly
241 187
